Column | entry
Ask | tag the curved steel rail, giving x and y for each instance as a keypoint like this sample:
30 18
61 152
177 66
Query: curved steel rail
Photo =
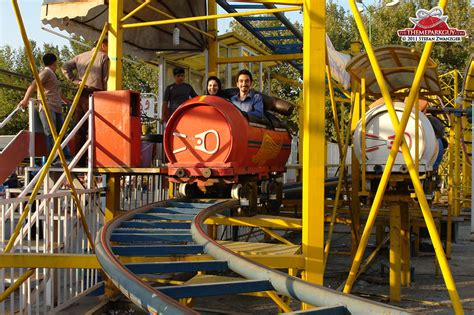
131 228
283 283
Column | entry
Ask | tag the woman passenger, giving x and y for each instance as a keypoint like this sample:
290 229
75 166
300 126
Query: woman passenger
214 86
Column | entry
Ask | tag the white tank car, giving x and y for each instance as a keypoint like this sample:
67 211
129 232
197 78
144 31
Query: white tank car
380 135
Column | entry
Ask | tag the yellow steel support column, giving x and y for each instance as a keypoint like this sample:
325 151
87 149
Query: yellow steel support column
115 45
457 154
314 51
451 182
395 252
363 191
112 199
112 206
213 43
405 244
466 167
451 163
355 166
417 136
467 136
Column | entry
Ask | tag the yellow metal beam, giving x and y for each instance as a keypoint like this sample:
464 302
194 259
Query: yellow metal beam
281 78
82 261
213 44
141 6
314 51
112 198
210 17
279 57
355 98
289 2
32 260
276 236
16 284
258 221
457 154
115 44
279 261
278 301
395 253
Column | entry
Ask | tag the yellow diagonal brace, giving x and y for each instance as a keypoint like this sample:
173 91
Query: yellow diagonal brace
295 2
132 13
16 284
399 139
57 138
210 17
276 236
342 167
278 301
333 105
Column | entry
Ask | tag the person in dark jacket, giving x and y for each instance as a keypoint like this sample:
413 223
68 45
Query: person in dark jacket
176 94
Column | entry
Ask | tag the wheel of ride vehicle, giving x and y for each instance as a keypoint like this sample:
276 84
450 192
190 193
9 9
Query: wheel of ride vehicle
264 186
249 193
235 191
183 190
275 197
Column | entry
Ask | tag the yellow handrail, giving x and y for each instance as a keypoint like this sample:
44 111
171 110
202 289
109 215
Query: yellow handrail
16 284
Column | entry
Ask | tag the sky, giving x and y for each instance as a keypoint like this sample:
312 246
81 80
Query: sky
31 11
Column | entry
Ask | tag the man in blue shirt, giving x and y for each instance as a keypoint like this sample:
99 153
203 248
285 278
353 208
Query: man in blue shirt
247 100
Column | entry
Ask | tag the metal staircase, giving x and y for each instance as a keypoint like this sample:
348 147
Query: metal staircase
266 34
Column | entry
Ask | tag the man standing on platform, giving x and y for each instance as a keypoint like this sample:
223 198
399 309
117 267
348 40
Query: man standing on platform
54 99
74 70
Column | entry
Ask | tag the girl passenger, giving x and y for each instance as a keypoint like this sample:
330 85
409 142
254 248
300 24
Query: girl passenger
214 86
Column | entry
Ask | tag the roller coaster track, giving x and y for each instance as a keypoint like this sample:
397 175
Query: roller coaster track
171 234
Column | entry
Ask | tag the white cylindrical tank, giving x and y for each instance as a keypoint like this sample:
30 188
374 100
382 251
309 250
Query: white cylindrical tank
380 135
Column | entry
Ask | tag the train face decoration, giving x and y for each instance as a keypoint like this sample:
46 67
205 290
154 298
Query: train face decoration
212 148
379 136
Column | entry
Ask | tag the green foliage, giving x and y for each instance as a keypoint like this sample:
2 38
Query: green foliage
339 26
140 76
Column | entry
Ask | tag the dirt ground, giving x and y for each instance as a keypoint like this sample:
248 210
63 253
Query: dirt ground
427 292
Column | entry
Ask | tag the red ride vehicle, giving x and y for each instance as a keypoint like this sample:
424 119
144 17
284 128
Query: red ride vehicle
213 150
